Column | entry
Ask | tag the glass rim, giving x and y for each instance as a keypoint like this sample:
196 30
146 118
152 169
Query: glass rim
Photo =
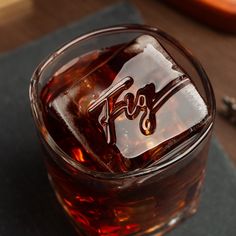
41 127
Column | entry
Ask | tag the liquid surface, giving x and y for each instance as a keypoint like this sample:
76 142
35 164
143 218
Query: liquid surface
122 108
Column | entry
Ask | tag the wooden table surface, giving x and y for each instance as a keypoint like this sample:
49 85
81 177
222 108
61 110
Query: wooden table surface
24 20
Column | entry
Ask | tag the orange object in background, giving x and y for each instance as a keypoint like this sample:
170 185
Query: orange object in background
220 14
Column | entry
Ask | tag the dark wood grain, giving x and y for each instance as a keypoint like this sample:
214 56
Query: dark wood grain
24 20
220 14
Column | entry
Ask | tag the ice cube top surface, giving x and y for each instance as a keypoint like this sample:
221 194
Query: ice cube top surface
125 106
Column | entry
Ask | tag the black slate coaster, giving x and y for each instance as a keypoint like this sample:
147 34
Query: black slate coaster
27 204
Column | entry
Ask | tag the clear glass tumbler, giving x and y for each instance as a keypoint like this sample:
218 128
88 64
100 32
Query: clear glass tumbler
143 201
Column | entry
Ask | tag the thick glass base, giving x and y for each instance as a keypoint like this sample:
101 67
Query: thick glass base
158 226
156 230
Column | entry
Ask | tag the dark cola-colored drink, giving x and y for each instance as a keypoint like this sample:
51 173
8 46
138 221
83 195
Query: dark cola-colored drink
122 110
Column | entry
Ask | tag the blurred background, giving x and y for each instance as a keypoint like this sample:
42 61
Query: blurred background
206 27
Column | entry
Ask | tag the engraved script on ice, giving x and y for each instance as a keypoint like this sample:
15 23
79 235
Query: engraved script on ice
135 109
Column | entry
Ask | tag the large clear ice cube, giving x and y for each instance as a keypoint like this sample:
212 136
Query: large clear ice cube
151 100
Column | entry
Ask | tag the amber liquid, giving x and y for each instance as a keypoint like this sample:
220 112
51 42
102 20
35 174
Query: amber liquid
143 204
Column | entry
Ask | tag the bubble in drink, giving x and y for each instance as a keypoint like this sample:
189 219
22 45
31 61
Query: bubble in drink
123 108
